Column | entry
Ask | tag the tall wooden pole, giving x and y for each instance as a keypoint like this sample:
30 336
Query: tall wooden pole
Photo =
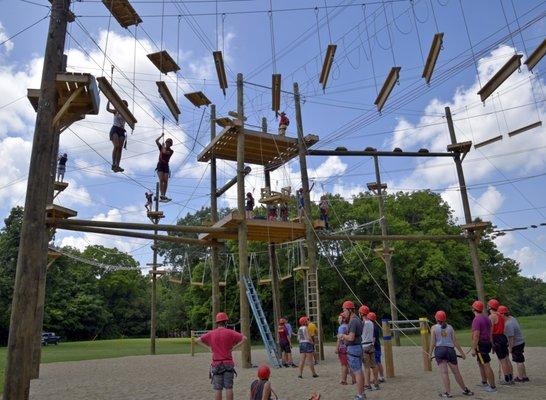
32 257
215 275
386 251
153 324
243 230
472 240
314 293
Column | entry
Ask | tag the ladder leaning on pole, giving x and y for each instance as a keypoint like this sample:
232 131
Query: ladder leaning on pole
313 300
267 337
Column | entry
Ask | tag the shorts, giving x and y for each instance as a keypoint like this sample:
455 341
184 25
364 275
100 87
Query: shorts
517 353
307 347
484 348
116 130
222 377
342 355
285 347
445 353
368 356
378 354
61 169
500 345
354 357
161 167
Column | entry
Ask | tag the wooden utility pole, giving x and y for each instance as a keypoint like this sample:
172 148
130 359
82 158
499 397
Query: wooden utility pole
472 239
244 308
32 258
312 276
153 324
215 275
386 255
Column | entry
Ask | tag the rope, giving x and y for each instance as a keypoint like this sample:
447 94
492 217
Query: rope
508 27
328 21
434 16
161 40
417 31
370 50
134 70
470 42
519 28
272 34
318 31
107 36
389 32
178 48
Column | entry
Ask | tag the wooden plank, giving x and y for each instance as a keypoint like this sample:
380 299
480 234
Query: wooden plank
463 147
166 95
155 214
60 186
223 122
488 141
59 212
388 86
116 101
276 92
476 226
327 64
220 70
502 74
123 12
198 99
66 106
432 57
164 62
33 96
525 128
536 56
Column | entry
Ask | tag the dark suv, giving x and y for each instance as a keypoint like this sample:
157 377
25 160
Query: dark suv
50 338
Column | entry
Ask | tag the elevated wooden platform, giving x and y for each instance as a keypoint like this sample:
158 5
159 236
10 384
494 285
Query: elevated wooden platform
225 122
463 147
476 226
198 99
259 230
59 186
261 148
59 212
164 62
123 12
155 214
373 186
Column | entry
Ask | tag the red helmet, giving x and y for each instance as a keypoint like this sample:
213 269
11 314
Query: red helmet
264 372
221 317
440 316
493 304
503 310
363 310
349 305
372 316
303 320
477 306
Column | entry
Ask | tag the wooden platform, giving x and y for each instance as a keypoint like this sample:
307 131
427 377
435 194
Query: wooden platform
155 214
463 147
225 122
261 148
59 186
167 97
319 224
58 212
259 230
164 62
476 226
123 12
198 99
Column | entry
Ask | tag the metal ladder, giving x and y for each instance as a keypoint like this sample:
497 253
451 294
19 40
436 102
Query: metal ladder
259 316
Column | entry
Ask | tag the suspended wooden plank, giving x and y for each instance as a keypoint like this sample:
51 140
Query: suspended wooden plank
164 62
269 196
525 128
536 56
123 12
502 74
319 224
220 70
432 57
224 122
264 282
59 212
116 101
327 64
488 141
177 281
301 268
386 90
276 92
198 99
286 277
167 97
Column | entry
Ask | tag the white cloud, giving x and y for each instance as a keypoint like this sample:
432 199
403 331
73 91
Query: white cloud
530 260
8 45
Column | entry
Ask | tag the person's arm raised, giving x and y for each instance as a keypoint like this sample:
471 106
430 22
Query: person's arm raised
110 109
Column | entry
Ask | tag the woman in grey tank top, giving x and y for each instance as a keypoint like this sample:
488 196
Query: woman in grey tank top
442 345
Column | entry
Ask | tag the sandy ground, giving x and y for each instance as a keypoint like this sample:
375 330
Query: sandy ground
185 377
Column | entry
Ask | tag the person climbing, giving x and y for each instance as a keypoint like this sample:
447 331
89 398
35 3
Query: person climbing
301 202
271 212
353 339
500 342
163 170
516 343
149 200
341 350
284 211
481 346
61 168
285 345
442 345
368 351
249 205
306 347
117 136
222 341
283 124
377 346
260 389
323 208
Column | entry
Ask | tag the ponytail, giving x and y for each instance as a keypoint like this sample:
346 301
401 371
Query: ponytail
443 324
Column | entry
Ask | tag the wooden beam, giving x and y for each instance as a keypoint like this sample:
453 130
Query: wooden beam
327 64
164 62
432 57
536 56
502 74
116 101
123 12
167 97
488 141
276 92
525 128
463 147
198 99
231 182
380 238
220 70
387 88
376 153
59 212
66 106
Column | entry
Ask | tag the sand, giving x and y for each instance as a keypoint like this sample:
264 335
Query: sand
185 377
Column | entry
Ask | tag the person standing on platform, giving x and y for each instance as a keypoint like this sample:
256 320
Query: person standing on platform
283 124
284 211
61 168
249 205
301 202
149 200
377 333
271 212
516 343
117 136
481 346
222 341
353 339
500 342
163 170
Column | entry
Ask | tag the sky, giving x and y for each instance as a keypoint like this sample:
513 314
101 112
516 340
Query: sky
506 180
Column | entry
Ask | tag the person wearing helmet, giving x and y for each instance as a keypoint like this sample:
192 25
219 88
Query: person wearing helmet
307 348
368 351
341 350
249 205
261 388
284 344
162 169
516 343
500 342
117 136
442 345
377 345
222 341
353 340
481 346
283 124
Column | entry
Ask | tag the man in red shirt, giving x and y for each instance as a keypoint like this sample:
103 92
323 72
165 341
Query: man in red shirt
283 124
221 342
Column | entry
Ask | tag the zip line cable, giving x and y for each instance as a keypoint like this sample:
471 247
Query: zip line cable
24 29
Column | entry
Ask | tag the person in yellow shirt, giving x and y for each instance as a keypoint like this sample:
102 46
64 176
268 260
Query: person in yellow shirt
312 329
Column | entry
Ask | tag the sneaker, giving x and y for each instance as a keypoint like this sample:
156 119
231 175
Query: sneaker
482 385
315 376
526 379
506 383
518 379
468 392
293 365
490 389
114 168
360 397
381 379
376 387
299 376
446 395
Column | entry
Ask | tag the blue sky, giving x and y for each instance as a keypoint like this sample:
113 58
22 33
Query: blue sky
506 181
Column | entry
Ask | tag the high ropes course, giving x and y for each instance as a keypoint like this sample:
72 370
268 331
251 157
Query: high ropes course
234 144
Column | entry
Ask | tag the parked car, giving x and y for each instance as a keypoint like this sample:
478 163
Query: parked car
50 338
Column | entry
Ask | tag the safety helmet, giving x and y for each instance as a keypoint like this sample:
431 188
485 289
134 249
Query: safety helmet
347 304
363 310
503 310
264 372
221 317
303 320
477 306
372 316
169 140
440 316
249 194
493 304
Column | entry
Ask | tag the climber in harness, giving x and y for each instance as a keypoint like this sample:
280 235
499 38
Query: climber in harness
283 124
